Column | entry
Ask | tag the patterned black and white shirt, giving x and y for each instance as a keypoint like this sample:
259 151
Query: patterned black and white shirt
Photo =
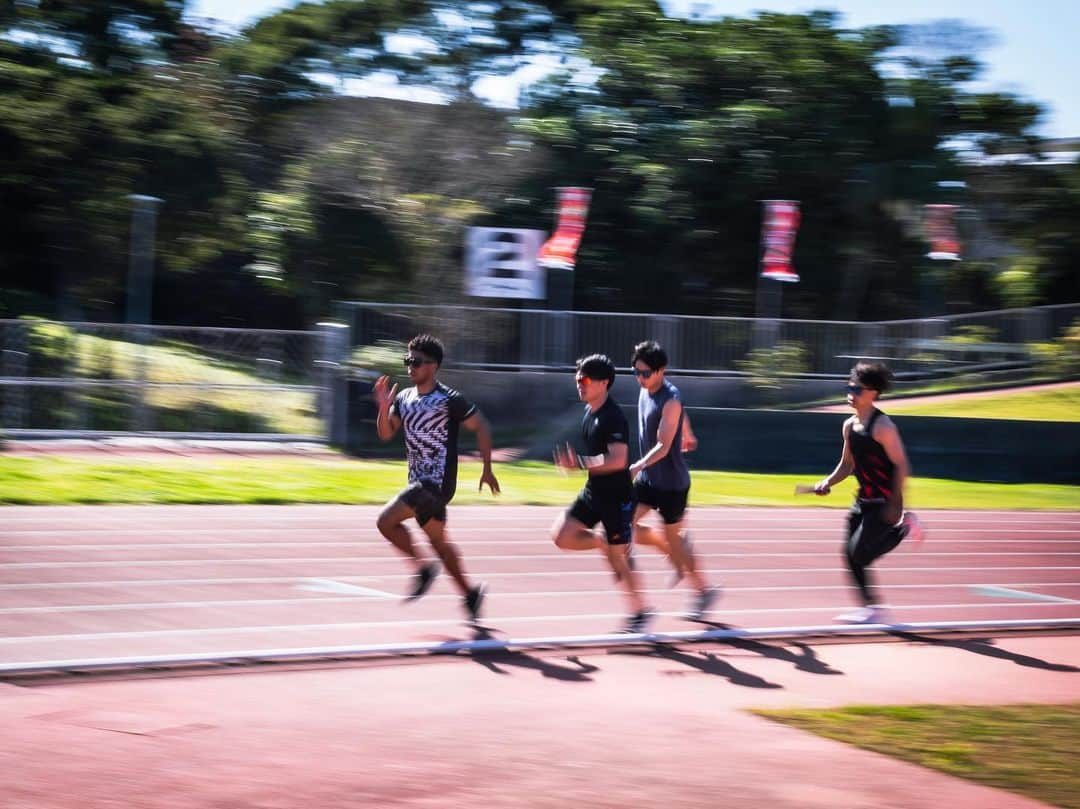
431 423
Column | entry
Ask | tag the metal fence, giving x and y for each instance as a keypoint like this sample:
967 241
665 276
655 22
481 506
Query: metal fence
93 378
547 339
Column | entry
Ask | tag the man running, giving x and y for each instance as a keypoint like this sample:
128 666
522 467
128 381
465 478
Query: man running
661 477
877 523
608 496
430 413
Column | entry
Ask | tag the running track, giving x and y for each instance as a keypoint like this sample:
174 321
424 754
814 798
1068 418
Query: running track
105 582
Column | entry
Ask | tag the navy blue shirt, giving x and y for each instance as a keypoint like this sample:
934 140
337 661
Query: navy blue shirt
670 473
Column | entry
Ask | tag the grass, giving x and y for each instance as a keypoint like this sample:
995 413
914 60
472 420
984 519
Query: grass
172 362
69 480
1056 404
1020 748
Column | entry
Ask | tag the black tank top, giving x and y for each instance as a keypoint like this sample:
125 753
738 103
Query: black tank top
873 469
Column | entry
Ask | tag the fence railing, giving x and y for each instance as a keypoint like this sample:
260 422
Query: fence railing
547 339
114 378
94 378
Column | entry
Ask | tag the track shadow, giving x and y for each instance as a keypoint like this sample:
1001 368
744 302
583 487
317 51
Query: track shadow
708 663
497 660
805 660
985 646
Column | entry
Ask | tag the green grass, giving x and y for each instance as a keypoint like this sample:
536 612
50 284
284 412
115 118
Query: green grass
1028 749
172 362
1057 404
68 480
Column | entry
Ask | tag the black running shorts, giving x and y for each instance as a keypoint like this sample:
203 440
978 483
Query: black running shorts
670 504
426 499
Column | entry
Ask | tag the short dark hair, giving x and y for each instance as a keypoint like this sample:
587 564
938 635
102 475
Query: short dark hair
429 346
598 366
650 353
873 375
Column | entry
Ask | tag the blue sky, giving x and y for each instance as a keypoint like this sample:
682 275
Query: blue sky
1035 53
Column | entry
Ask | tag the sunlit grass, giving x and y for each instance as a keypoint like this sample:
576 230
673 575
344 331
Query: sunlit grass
1028 749
60 480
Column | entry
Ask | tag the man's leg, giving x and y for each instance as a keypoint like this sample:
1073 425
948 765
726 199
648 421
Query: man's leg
646 534
447 551
570 534
391 525
682 557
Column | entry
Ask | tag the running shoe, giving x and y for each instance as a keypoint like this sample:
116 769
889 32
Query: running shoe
637 623
423 580
473 599
865 615
703 602
912 527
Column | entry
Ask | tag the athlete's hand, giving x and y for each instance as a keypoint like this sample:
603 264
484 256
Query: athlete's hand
488 477
822 488
635 469
567 458
384 394
689 442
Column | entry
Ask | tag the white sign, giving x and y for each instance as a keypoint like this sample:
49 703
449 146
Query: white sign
501 263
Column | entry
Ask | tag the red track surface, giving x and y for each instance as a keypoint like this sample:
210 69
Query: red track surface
102 582
646 727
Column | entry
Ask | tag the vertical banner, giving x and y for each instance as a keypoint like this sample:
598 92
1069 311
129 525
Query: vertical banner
778 235
939 222
560 251
501 263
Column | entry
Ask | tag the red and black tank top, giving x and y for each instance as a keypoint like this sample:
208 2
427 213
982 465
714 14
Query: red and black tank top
873 469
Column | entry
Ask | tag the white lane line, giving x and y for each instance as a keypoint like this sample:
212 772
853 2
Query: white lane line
699 540
225 630
364 591
513 575
995 591
331 586
353 560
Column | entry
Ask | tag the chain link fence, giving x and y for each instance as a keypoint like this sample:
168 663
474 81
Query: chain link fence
539 339
93 378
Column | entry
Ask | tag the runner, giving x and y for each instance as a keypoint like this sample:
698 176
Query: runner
608 496
430 413
872 449
661 477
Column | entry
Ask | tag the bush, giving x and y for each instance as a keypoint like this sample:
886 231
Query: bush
1059 358
768 366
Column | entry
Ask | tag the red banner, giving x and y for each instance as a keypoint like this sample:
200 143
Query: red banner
560 251
941 232
778 234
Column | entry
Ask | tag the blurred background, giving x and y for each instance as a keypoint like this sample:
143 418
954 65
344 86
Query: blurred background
193 192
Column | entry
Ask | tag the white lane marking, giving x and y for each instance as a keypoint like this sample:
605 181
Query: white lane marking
301 560
604 593
994 591
331 586
540 574
224 630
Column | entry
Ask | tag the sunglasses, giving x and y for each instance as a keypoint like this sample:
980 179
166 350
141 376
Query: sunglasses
855 390
646 374
582 380
416 362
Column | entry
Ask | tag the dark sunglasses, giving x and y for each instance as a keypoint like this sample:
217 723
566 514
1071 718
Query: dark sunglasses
855 390
582 380
415 362
646 374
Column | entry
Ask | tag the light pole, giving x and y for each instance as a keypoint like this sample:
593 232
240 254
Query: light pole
141 260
